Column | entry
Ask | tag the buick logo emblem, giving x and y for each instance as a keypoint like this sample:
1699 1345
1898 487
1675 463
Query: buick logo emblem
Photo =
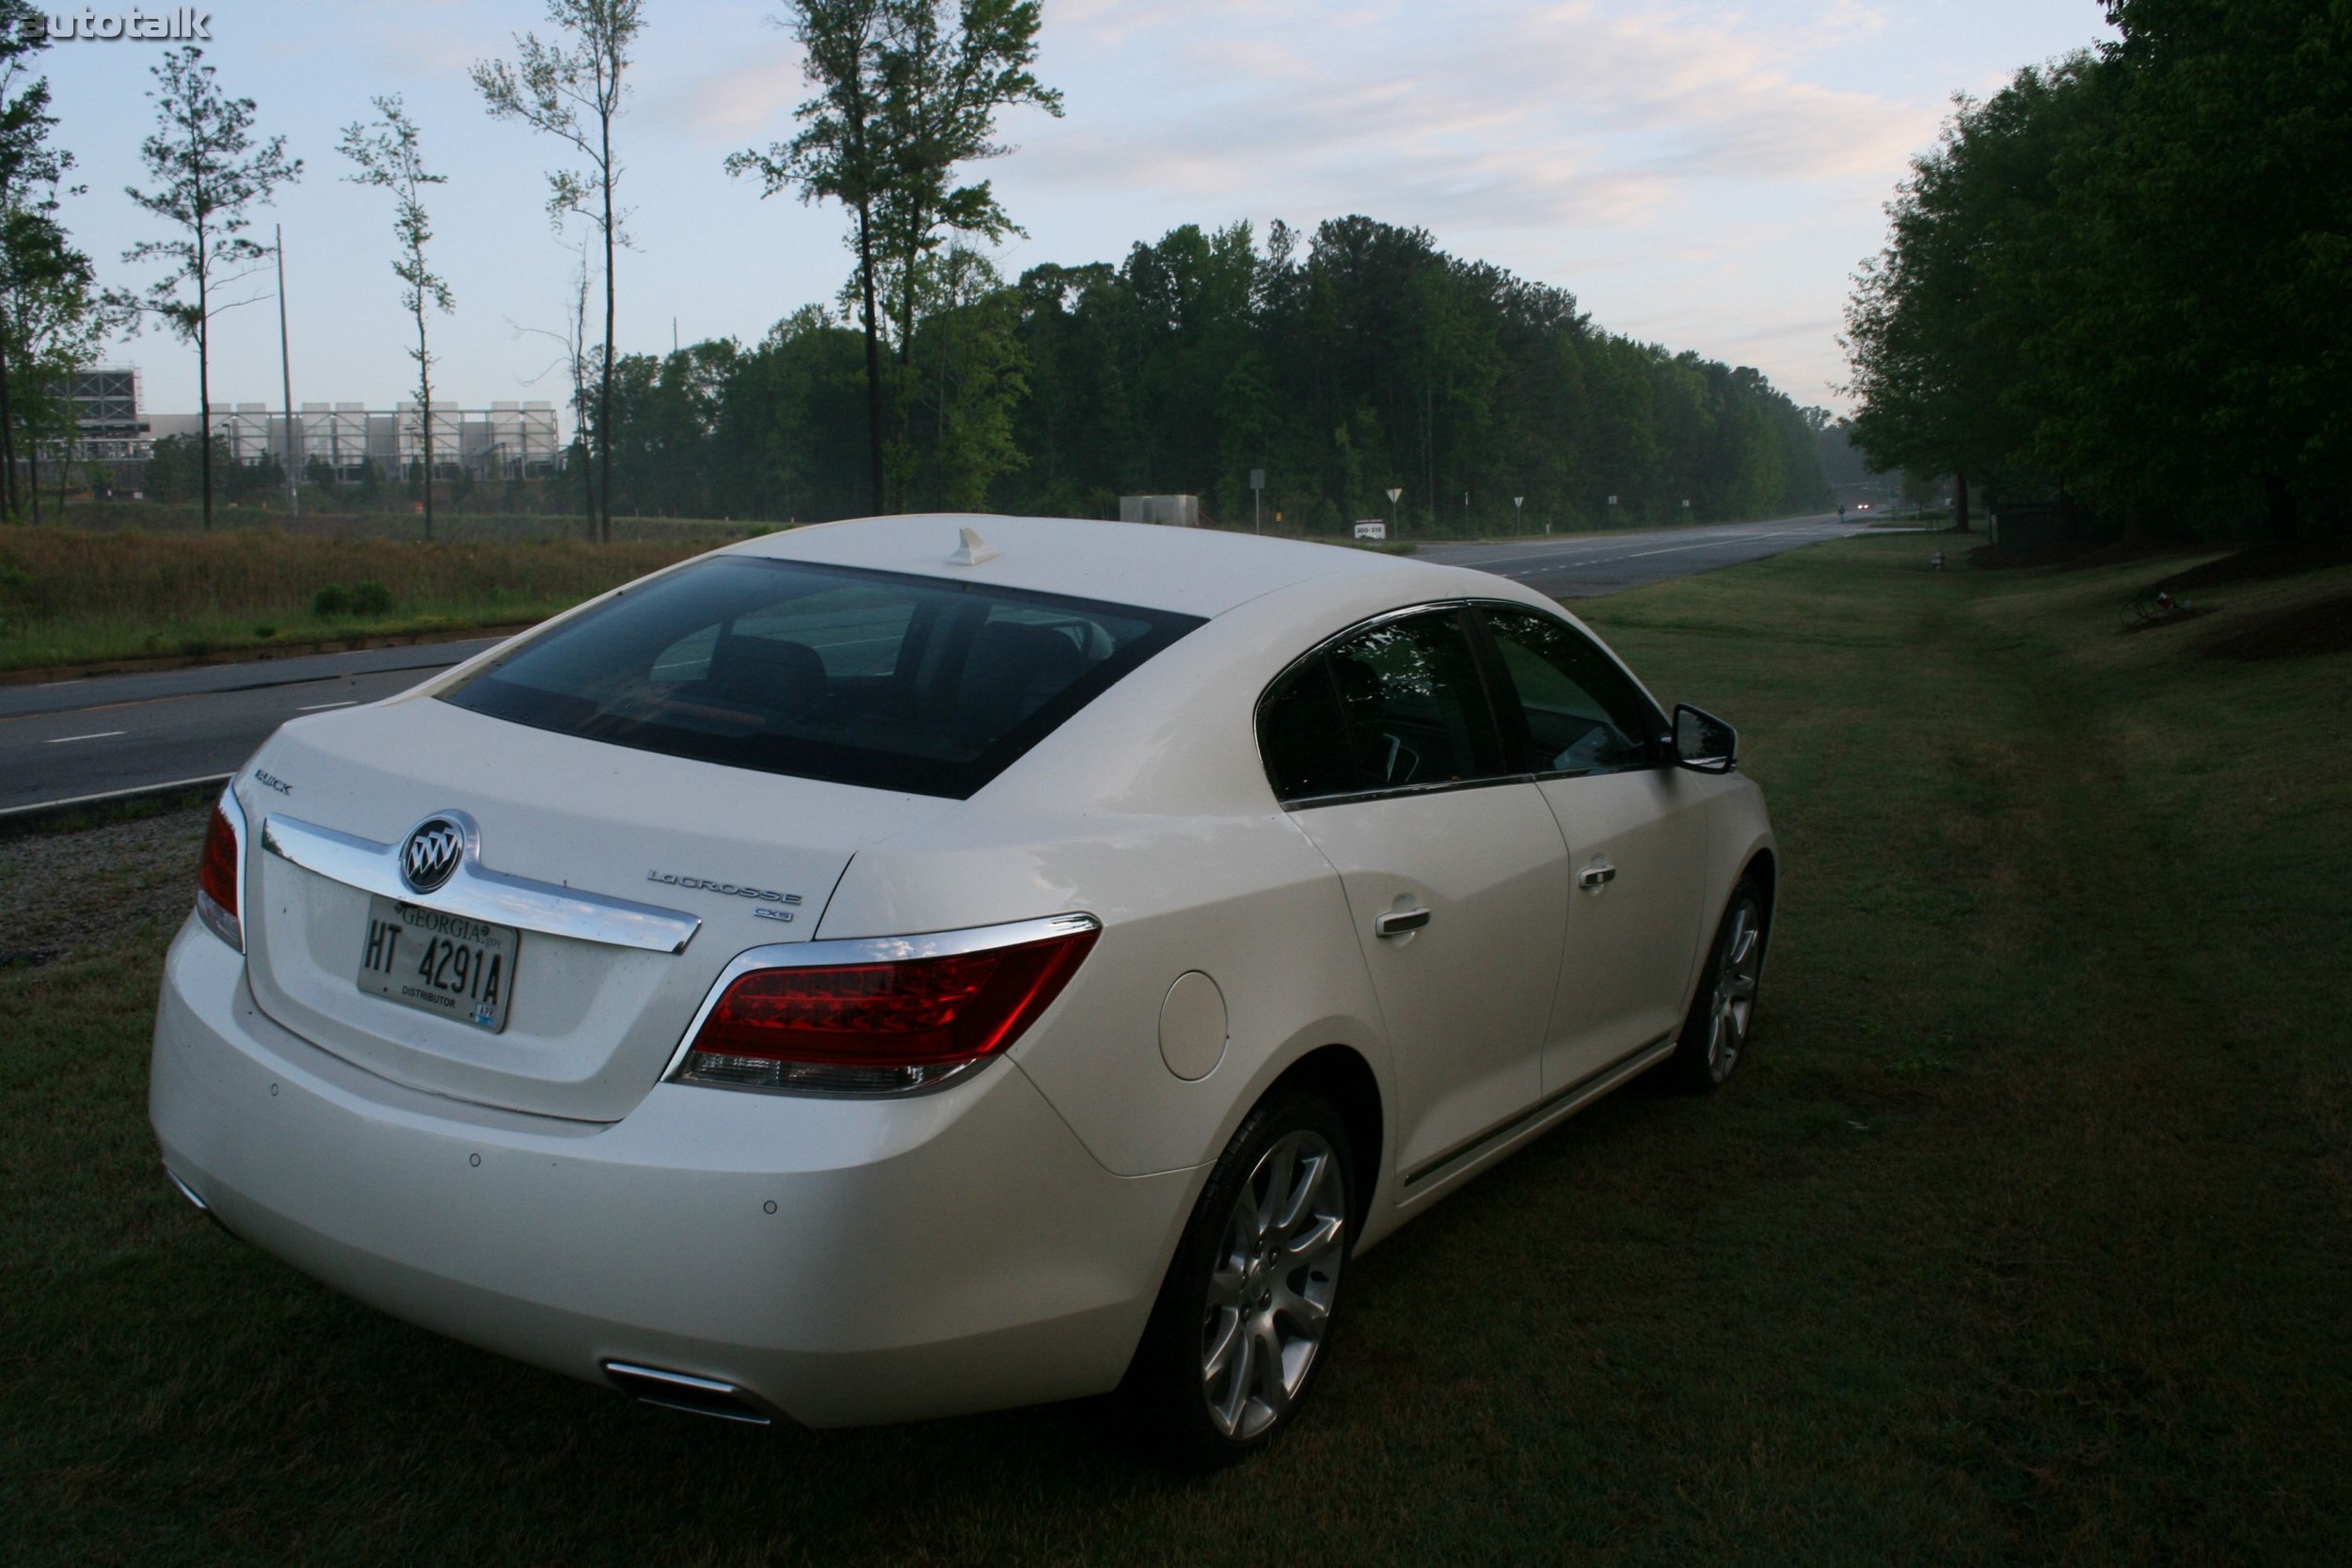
431 855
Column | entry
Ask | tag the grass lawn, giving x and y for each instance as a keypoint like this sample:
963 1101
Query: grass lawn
70 595
2025 1233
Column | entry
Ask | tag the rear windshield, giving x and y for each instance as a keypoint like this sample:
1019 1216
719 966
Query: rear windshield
904 682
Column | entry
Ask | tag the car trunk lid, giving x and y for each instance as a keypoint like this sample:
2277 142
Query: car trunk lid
630 879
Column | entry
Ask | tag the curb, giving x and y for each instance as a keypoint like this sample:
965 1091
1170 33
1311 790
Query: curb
42 813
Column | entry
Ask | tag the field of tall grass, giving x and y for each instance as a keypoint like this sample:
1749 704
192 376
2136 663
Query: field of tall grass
71 595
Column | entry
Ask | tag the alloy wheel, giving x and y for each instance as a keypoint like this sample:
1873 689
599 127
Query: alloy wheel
1738 962
1271 1288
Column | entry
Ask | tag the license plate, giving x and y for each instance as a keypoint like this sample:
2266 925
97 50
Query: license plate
439 963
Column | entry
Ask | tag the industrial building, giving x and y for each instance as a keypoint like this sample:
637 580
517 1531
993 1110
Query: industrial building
505 440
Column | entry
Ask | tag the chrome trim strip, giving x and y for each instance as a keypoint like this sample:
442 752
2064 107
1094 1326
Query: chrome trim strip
633 1379
186 1191
1559 1103
873 950
480 894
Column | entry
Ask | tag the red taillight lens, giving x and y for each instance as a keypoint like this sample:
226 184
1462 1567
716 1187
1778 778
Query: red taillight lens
216 877
877 1028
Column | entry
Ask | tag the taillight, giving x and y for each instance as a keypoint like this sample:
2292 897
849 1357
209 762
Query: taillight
216 874
855 1018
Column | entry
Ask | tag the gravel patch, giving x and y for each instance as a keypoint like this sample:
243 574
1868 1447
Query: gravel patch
63 894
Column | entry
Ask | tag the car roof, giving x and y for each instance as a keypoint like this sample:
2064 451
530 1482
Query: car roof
1191 571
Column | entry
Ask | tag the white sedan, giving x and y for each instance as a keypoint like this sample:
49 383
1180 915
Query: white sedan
929 964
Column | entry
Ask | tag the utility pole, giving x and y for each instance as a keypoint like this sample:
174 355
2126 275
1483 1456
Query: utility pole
1257 493
285 382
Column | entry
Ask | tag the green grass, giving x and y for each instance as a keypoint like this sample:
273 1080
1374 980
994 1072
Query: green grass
2022 1236
70 596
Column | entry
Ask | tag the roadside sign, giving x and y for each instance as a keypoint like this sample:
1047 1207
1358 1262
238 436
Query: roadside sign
1372 529
1257 479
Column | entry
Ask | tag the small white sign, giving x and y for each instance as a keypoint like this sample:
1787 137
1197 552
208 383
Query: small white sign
1372 531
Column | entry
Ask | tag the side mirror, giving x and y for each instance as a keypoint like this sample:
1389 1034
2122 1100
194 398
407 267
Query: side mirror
1704 743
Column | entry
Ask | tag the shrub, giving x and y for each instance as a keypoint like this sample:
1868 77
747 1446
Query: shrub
330 602
371 598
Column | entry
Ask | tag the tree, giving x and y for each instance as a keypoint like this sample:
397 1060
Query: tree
908 90
387 157
967 372
208 173
1938 325
2128 277
51 313
574 93
949 66
841 155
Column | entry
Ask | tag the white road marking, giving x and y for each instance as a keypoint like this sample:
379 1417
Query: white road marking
94 735
347 702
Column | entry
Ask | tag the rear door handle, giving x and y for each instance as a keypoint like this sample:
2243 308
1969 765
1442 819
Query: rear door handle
1397 921
1593 878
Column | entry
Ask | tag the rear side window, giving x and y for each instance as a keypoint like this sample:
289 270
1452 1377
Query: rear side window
875 678
1398 705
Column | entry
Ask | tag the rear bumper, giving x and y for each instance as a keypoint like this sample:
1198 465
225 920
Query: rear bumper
845 1262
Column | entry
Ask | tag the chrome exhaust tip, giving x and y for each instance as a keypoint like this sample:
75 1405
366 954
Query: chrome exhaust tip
197 1200
187 1191
698 1396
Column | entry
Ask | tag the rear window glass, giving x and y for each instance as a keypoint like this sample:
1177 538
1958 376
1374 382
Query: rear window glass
895 682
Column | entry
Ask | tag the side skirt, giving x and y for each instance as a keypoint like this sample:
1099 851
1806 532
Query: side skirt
1537 1118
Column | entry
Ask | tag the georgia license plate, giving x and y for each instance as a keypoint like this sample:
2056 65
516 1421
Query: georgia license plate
439 963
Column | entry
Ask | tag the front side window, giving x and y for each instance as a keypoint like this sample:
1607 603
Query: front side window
1582 714
1398 705
908 683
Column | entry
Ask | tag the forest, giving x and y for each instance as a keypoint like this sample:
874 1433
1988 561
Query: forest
2123 282
1344 364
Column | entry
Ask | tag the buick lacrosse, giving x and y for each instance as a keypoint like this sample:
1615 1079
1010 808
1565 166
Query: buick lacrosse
929 964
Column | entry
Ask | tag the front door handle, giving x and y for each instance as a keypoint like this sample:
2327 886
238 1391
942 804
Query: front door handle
1593 878
1397 921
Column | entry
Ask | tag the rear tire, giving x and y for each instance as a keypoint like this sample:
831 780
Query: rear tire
1242 1322
1715 1034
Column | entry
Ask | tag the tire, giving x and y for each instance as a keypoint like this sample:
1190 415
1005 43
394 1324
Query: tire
1715 1034
1242 1325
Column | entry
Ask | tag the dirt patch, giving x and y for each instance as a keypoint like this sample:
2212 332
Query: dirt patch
64 893
2325 628
2260 562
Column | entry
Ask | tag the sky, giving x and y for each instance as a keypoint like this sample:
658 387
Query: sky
1705 176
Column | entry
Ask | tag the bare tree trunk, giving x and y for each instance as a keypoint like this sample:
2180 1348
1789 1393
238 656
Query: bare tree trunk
8 426
424 398
204 403
604 394
873 353
1960 503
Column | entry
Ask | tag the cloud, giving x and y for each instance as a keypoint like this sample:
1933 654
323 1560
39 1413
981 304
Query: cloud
738 101
1485 112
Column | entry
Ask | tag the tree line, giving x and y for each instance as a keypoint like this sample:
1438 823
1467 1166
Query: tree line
2124 281
1339 365
1359 371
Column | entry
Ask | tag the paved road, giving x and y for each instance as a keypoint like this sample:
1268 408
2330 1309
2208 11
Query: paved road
1579 566
109 732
